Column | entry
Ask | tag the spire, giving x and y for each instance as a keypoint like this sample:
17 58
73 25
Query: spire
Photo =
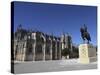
19 27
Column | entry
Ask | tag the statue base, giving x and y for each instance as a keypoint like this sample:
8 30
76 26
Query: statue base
87 53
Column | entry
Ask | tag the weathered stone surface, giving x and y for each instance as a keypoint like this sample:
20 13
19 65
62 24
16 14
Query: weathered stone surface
87 53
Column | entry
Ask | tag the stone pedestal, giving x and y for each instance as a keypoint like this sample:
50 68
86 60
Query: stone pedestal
87 53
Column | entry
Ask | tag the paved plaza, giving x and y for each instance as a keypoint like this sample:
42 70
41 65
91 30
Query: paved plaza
51 66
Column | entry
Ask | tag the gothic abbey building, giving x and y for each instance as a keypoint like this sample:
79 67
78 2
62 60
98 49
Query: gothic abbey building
37 46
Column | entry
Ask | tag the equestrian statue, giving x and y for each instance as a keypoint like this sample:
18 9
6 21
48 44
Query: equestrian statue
85 34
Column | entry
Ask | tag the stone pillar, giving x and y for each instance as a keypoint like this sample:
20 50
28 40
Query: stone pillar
60 50
19 58
24 52
17 52
43 49
51 51
34 47
16 57
56 50
15 49
62 45
71 51
43 46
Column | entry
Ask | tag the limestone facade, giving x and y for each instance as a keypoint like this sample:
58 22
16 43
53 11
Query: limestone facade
36 46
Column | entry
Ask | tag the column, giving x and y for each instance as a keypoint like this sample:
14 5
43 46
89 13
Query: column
55 49
19 52
43 49
24 52
15 47
60 50
51 51
34 47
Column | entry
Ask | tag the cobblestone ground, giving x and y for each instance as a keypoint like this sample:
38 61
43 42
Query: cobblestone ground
50 66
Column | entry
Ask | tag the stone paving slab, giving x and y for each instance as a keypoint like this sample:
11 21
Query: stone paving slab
51 66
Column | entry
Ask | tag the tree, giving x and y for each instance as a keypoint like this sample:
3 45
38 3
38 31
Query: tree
75 52
65 52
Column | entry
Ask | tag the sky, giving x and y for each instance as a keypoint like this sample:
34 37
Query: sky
57 19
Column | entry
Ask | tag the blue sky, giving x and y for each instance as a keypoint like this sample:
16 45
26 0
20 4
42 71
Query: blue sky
56 19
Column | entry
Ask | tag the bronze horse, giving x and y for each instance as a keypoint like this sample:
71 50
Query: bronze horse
84 34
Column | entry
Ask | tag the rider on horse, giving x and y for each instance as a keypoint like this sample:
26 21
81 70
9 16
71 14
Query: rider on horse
84 34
